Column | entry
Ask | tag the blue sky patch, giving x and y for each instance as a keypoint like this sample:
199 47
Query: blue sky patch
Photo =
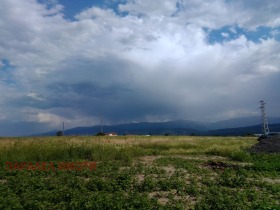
72 8
228 33
5 65
6 72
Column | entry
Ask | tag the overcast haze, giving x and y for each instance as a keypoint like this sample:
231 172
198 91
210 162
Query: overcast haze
132 61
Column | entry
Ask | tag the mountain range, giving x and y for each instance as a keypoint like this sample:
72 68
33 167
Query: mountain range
237 126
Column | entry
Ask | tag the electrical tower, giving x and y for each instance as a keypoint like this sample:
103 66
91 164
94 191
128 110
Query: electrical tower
265 128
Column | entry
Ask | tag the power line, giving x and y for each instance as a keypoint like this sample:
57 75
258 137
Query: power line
101 123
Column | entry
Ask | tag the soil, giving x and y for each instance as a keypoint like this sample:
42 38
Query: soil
219 165
267 145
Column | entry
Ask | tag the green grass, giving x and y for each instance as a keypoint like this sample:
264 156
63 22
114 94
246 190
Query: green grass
140 173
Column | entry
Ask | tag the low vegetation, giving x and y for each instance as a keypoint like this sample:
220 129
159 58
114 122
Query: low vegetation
139 172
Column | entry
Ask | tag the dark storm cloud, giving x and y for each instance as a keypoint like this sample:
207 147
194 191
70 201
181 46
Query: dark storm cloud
110 86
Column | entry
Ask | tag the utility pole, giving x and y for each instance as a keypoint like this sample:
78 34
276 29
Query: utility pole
101 123
265 128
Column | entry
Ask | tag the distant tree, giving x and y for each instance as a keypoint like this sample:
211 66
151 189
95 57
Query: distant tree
167 134
59 133
100 134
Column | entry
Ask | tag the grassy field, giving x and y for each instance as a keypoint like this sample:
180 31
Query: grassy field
139 172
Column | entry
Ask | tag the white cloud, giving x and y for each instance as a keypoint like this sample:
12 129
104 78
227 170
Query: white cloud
259 13
233 29
149 8
212 14
35 96
48 118
94 13
225 35
154 63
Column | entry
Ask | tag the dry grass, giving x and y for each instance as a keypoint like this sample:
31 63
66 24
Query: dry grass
134 140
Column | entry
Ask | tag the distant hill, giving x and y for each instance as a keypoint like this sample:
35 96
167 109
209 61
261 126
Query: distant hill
239 126
241 131
241 122
179 127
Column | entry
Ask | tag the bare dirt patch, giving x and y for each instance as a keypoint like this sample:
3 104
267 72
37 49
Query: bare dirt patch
201 157
163 201
169 169
220 165
140 178
3 181
271 181
148 160
124 168
86 179
161 196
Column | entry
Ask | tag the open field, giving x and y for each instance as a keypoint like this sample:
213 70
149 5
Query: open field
139 172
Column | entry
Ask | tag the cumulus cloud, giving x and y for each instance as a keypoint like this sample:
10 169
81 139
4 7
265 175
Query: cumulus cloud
225 35
141 61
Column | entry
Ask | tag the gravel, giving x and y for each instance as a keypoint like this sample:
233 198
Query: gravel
267 145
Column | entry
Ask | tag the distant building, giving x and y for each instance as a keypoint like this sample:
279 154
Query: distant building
111 134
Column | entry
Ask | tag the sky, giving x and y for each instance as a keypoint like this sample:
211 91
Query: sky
135 60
